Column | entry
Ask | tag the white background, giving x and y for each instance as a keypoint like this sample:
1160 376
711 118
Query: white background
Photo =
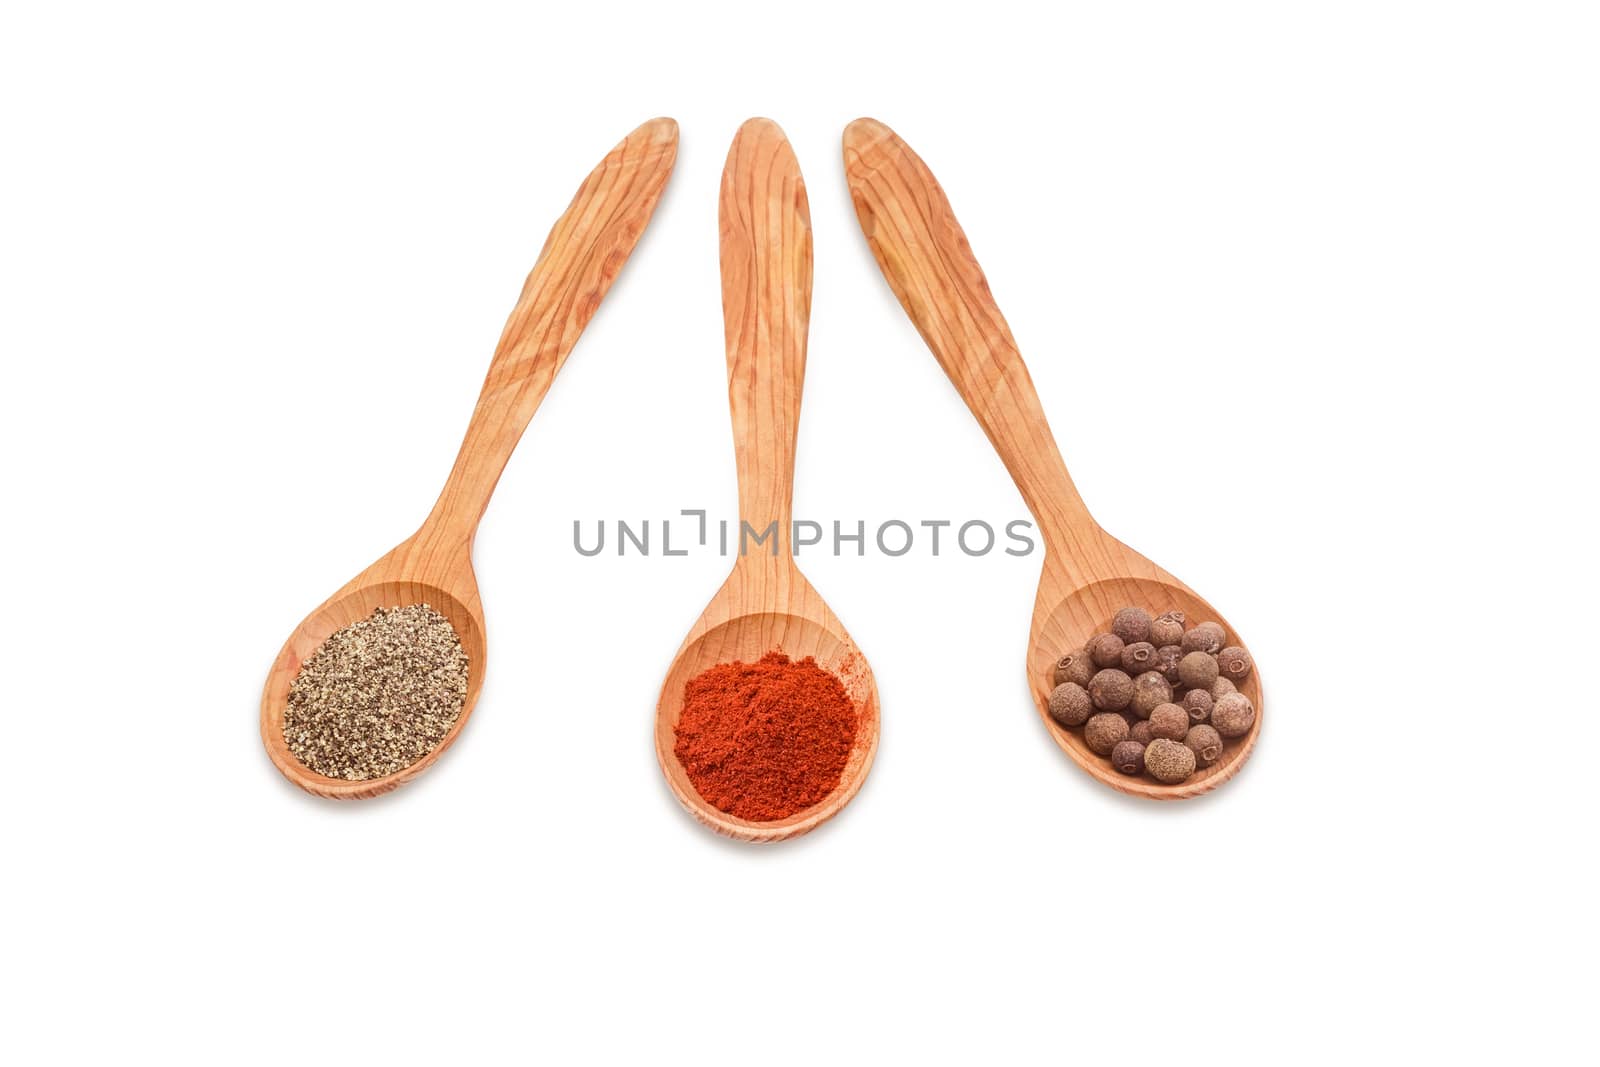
1308 291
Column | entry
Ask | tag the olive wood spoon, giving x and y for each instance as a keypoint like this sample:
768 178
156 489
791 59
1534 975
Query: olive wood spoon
766 604
1088 574
581 258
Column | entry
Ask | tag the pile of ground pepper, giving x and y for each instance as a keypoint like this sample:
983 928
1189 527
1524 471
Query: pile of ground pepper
378 695
762 741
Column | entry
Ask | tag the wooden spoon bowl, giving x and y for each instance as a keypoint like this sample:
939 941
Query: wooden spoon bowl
355 602
766 604
1067 624
1088 575
746 638
585 251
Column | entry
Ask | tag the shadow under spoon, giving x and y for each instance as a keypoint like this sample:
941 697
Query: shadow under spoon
766 604
1088 574
581 258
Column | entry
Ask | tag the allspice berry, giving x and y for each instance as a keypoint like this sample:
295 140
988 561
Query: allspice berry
1111 690
1128 757
1197 670
1222 687
1074 667
1169 762
1205 743
1169 721
1150 690
1197 702
1166 629
1102 732
1132 625
1233 715
1167 657
1138 657
1206 637
1070 704
1140 732
1234 663
1105 650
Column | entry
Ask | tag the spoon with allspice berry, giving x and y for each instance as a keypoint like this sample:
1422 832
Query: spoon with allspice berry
768 719
1089 577
374 685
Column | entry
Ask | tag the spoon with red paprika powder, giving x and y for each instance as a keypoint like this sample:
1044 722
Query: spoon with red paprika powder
1088 574
768 718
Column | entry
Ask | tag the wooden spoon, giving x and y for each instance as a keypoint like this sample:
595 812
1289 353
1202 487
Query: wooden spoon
1088 574
766 604
581 258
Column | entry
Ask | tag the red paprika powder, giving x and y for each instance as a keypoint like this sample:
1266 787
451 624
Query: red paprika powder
764 740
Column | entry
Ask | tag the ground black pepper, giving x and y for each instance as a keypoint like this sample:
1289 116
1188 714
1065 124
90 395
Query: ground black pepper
377 695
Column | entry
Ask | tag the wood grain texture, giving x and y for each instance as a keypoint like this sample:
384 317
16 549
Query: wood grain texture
581 258
766 603
1088 574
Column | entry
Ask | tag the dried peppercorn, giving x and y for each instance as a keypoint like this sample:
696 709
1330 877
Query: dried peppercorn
1169 721
1234 663
1169 762
1205 743
1105 650
1166 628
1197 702
1070 704
1128 757
1075 667
1111 689
1167 658
1197 670
1233 715
1206 637
1138 657
1132 625
1150 689
1102 732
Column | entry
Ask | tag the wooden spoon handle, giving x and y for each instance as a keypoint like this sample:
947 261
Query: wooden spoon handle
924 254
581 258
766 310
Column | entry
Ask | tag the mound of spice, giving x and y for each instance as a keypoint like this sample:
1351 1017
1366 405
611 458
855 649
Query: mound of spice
1154 696
378 695
764 740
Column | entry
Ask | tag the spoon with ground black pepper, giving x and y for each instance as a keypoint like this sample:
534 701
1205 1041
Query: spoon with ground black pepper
1088 574
766 604
582 256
